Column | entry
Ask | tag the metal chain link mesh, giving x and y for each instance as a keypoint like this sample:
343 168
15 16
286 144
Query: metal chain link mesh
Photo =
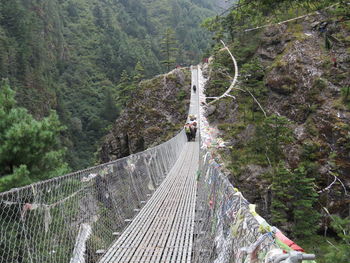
74 218
227 227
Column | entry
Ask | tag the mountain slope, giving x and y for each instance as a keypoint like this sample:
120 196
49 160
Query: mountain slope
69 55
293 162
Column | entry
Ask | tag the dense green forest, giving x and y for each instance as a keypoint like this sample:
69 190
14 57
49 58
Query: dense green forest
83 58
291 170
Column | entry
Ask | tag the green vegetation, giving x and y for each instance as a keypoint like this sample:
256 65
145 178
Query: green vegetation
258 13
331 249
305 217
271 135
340 253
84 58
345 96
288 165
30 150
282 194
169 49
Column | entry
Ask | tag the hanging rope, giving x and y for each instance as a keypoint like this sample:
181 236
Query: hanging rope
233 83
290 20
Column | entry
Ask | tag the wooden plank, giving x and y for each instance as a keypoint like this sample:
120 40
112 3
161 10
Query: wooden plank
140 219
158 223
169 208
168 253
190 221
179 209
180 238
141 229
180 185
180 216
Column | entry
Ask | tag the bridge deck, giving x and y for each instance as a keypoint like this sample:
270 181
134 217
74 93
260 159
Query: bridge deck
163 229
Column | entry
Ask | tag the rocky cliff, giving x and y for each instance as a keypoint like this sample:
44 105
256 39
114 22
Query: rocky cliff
300 71
155 113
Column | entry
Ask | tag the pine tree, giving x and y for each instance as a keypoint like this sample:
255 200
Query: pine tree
124 88
281 196
340 252
305 196
215 25
139 72
110 110
271 135
168 45
293 199
30 150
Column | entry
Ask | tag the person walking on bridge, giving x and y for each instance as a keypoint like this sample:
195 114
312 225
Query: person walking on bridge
188 131
194 88
193 128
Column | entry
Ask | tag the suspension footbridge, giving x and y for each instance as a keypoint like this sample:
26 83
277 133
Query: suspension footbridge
163 230
170 203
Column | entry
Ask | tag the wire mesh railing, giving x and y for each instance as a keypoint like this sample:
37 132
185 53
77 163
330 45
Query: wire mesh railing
74 218
227 229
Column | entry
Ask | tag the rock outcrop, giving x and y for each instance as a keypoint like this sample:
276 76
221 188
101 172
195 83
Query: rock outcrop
155 113
307 83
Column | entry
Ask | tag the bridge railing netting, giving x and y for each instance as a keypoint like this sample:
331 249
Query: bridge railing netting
75 218
228 229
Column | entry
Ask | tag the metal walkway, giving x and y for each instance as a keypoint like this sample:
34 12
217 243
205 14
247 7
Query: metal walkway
163 229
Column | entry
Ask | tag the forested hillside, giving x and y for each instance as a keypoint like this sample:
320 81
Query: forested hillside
83 58
285 130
